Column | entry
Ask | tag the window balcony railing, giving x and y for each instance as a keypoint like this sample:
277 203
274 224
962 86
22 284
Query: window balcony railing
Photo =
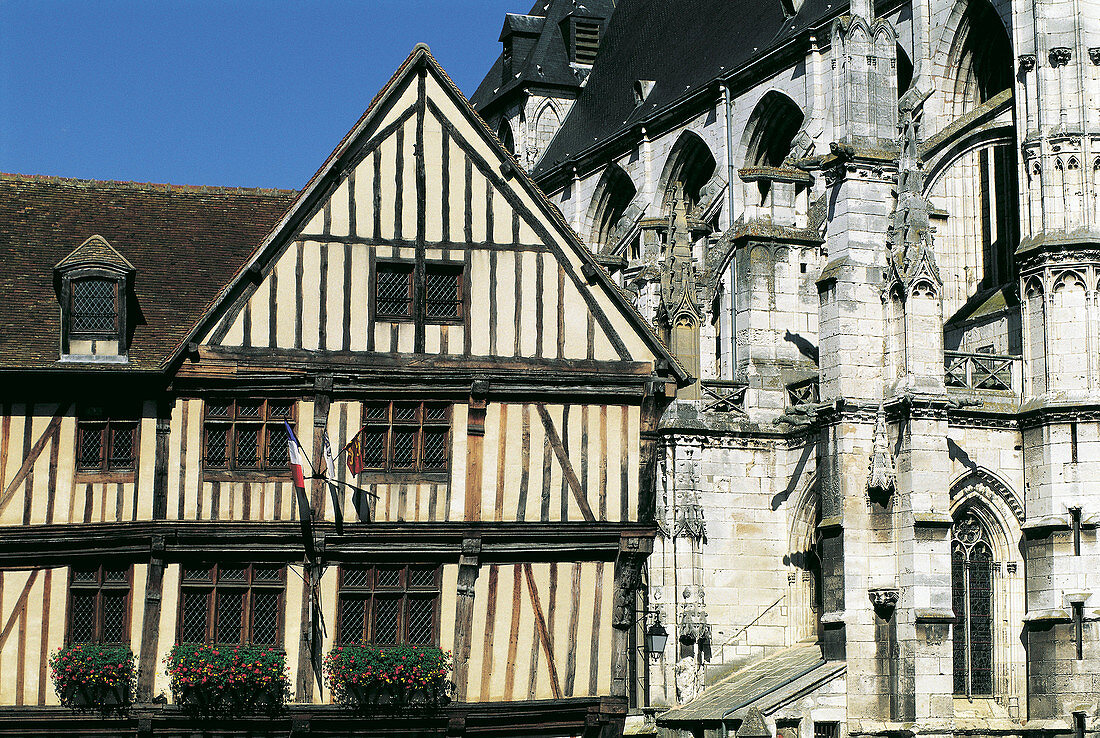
983 372
723 396
806 392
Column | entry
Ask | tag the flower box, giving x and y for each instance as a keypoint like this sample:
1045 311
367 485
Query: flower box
233 680
93 677
401 677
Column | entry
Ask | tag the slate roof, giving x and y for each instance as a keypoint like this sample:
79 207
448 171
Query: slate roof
764 684
184 244
680 45
548 62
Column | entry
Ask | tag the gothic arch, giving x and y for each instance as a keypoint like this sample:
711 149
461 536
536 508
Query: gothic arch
507 140
923 288
771 129
547 122
803 560
1070 278
805 515
613 195
979 58
984 484
690 164
1033 287
987 589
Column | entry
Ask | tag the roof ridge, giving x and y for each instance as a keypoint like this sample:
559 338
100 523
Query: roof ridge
149 186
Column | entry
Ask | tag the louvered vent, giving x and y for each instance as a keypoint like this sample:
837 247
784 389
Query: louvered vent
586 42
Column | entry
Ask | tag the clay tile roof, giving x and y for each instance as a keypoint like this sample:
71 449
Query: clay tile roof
183 243
95 250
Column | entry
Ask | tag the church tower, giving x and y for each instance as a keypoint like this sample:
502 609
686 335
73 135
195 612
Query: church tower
1059 265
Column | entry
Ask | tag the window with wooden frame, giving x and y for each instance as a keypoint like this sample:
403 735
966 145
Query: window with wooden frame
99 604
405 437
246 435
396 291
387 605
442 293
106 442
231 603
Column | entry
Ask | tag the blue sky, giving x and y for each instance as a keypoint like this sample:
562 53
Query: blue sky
247 93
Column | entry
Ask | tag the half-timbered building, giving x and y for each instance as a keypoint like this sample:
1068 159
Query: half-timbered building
420 297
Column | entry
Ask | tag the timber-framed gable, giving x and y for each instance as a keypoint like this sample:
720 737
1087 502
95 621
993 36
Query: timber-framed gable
490 399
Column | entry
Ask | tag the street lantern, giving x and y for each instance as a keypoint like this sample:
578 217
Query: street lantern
655 639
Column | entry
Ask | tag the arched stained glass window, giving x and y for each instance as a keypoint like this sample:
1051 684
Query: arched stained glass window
972 600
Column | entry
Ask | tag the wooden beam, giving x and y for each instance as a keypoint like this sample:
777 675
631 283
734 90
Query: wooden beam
150 624
20 606
544 635
32 456
543 233
563 459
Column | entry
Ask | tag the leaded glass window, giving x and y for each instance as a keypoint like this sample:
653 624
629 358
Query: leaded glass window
442 293
231 604
94 310
105 443
247 435
398 289
99 604
393 294
972 601
388 605
404 436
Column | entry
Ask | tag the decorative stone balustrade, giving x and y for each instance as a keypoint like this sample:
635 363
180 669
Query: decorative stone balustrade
982 372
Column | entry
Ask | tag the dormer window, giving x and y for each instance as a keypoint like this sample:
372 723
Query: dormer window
93 282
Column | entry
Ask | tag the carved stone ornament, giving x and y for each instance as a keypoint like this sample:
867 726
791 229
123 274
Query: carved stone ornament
1060 56
678 275
689 679
660 519
626 584
1027 62
689 522
882 477
883 598
1094 55
694 626
909 235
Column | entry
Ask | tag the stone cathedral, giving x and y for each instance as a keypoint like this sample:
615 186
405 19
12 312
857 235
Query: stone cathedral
871 233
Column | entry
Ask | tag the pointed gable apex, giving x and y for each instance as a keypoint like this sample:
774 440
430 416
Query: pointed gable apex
421 174
95 251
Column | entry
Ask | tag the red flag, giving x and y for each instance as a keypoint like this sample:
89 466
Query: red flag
355 454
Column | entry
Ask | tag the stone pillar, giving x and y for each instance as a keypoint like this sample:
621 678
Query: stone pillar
850 322
1058 53
855 538
924 614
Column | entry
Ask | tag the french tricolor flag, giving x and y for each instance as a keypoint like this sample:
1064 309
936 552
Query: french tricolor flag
297 472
